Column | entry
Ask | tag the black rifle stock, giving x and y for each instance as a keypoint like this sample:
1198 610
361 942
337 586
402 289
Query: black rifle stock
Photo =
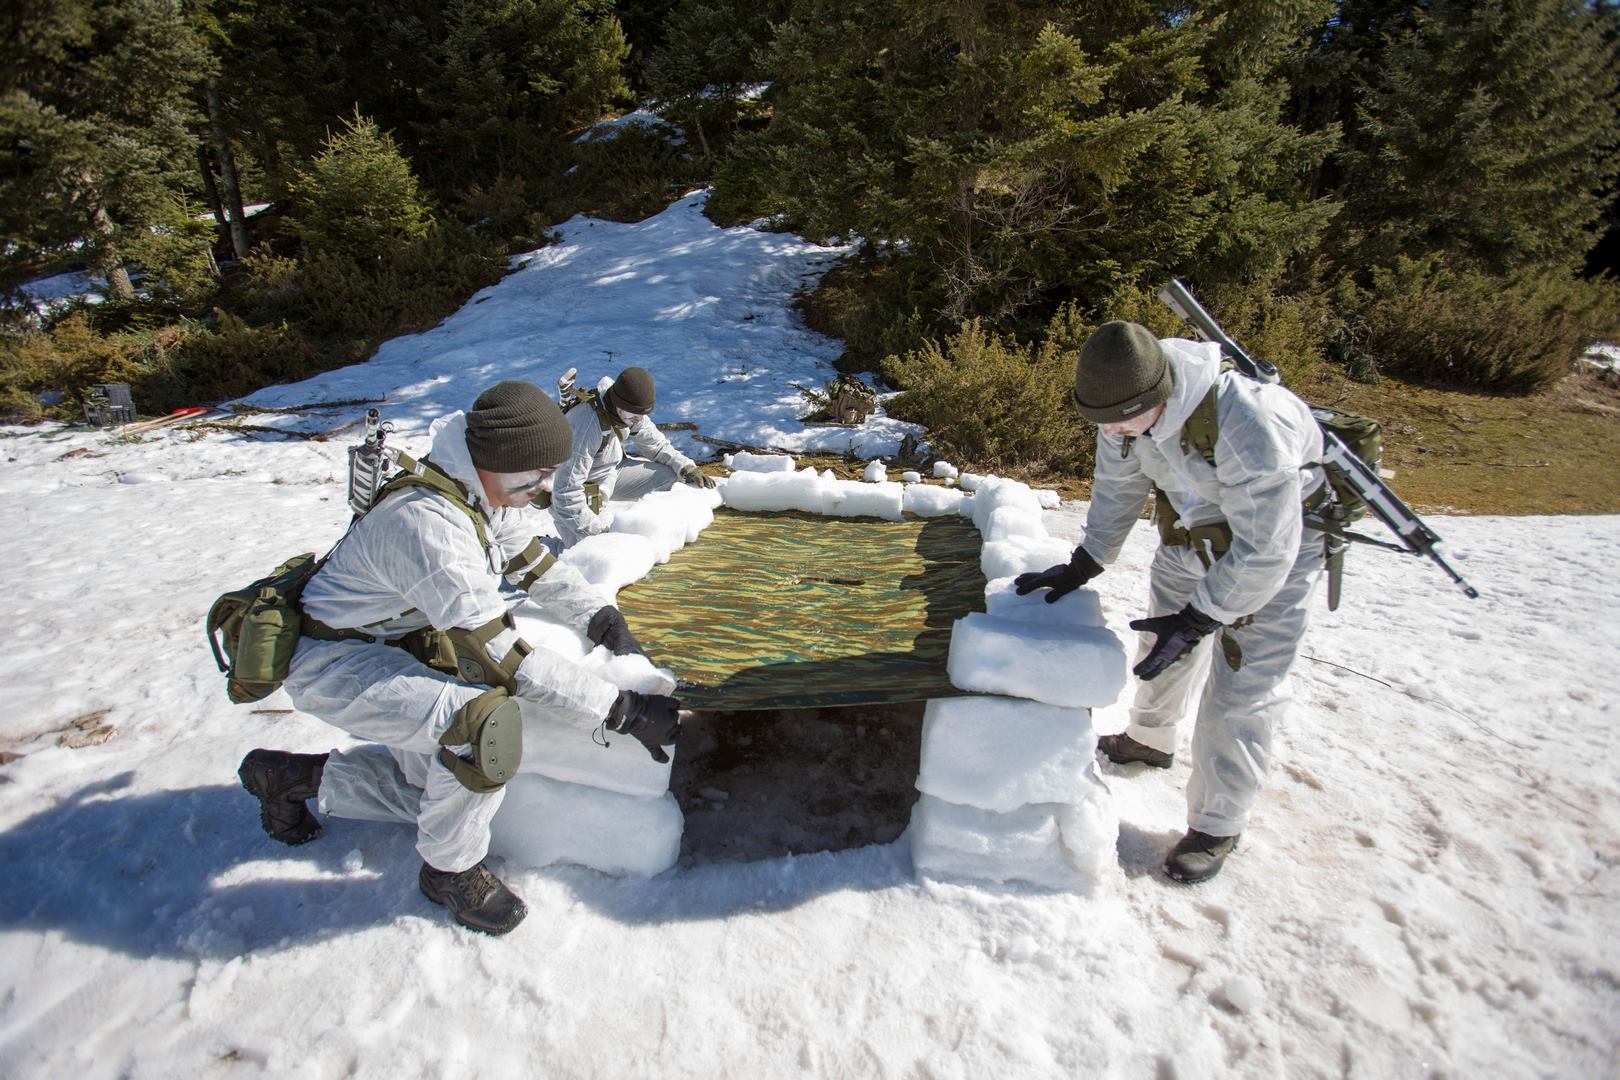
1416 538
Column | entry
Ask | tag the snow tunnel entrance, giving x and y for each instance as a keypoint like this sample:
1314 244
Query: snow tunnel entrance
759 784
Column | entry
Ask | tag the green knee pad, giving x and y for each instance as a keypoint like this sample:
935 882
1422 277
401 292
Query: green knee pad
493 725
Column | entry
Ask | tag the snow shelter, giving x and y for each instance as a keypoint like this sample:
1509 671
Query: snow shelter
788 589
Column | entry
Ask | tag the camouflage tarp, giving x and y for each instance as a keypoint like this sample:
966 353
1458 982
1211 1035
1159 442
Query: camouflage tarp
769 611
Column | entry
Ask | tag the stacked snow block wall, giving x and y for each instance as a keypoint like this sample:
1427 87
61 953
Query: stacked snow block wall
574 801
1008 778
1008 781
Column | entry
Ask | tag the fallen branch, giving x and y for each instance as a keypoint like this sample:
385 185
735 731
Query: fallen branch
727 444
311 407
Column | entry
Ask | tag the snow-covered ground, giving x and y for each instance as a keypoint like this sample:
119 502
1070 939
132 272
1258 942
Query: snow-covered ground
1429 887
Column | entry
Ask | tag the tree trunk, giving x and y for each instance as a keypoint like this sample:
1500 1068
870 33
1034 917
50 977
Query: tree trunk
241 243
106 259
211 189
118 283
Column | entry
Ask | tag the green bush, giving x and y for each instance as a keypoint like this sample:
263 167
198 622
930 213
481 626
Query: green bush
413 288
628 174
995 403
67 358
197 362
1426 322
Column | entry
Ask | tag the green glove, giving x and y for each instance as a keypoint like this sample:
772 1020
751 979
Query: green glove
697 477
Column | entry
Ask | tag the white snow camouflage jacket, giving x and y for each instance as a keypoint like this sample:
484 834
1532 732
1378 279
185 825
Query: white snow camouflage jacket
1266 459
415 560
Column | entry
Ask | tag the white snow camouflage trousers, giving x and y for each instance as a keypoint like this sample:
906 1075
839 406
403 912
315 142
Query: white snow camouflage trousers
384 695
1237 710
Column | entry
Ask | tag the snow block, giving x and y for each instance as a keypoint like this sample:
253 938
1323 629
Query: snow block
668 519
565 752
853 498
1013 522
1082 607
931 501
1012 555
1071 666
803 490
944 470
1000 753
875 472
543 821
761 463
612 559
1051 845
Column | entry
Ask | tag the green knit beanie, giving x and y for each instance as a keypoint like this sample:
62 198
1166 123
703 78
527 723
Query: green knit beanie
514 427
632 391
1122 372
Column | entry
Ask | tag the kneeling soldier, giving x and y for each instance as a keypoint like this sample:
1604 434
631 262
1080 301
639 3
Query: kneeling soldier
408 644
597 469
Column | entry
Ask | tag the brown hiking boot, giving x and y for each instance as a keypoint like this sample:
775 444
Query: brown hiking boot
1124 750
1198 856
477 899
283 783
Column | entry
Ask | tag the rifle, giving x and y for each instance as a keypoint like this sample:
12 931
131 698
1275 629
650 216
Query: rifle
1416 538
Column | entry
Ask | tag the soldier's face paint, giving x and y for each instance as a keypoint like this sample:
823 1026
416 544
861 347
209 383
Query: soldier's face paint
516 489
1136 425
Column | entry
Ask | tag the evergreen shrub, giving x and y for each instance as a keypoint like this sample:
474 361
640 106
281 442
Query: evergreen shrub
1430 323
412 288
996 403
629 174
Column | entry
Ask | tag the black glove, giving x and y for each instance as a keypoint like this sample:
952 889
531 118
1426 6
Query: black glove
651 719
1062 580
607 627
697 477
1178 634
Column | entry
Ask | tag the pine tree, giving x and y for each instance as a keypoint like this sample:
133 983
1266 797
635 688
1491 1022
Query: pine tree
95 96
710 57
498 85
1020 154
359 200
1483 132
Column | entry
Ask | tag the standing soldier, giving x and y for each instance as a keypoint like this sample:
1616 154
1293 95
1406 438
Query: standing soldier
408 644
597 469
1235 565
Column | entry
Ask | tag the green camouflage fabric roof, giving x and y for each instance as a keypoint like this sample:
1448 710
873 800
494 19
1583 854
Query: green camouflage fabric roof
792 610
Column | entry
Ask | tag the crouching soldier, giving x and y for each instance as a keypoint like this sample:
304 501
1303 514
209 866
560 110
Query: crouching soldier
1232 460
597 469
408 644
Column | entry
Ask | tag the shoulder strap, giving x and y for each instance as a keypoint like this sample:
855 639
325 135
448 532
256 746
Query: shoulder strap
428 475
1202 428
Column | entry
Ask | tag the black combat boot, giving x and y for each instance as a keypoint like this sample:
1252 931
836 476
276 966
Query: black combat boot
477 899
283 783
1198 856
1124 750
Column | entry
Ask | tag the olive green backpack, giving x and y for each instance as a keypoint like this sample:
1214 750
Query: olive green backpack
254 630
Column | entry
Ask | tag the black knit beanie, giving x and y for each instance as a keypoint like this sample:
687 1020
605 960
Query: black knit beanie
632 391
1122 372
514 427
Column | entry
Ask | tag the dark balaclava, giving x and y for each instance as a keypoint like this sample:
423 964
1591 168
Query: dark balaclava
1122 372
632 391
514 427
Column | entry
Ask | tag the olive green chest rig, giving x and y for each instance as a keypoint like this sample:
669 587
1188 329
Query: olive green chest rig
1329 510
